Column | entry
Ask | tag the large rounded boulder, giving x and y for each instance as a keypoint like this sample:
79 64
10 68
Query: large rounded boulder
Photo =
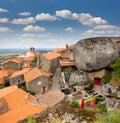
95 53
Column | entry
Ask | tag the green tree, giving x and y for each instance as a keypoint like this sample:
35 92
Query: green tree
114 117
74 103
34 59
91 84
6 83
116 69
106 79
31 120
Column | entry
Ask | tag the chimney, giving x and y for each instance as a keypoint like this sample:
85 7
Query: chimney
67 46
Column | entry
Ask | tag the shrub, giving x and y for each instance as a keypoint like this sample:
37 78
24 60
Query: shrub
114 117
106 79
91 84
74 103
31 120
6 83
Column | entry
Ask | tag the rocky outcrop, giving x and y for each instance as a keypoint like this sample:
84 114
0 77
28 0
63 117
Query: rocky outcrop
78 77
109 90
95 53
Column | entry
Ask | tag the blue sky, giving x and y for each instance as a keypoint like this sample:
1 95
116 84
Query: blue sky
55 23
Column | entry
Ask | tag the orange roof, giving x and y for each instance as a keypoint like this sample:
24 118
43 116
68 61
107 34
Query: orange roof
29 58
26 65
71 46
20 113
18 73
58 50
51 55
67 63
16 98
35 73
18 104
14 59
3 73
1 81
7 90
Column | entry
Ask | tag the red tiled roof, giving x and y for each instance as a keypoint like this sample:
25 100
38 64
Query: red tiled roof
26 65
29 58
58 50
3 73
18 73
15 59
51 55
67 63
71 46
20 113
7 90
35 73
19 105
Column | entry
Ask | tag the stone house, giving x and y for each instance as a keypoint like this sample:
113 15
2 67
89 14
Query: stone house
13 63
37 80
49 61
17 78
96 76
27 62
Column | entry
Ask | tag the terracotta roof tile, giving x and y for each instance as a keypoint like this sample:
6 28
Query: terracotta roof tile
58 50
35 73
18 73
3 73
51 55
28 59
7 90
67 63
14 59
18 104
20 113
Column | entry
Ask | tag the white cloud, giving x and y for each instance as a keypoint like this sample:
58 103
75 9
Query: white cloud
105 27
23 21
69 29
32 28
24 14
28 35
4 29
83 18
46 17
4 20
3 10
64 14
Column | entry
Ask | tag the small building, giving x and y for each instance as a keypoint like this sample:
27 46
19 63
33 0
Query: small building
49 61
17 78
13 63
37 80
97 76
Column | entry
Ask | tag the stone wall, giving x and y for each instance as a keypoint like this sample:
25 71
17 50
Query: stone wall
11 65
37 85
49 65
45 63
16 80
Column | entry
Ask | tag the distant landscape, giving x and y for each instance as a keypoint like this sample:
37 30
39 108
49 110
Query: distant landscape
5 53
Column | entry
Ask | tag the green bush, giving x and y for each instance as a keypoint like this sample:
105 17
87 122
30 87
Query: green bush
114 117
106 79
91 84
6 83
31 120
74 103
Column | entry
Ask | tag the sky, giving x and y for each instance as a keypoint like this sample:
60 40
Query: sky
55 23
